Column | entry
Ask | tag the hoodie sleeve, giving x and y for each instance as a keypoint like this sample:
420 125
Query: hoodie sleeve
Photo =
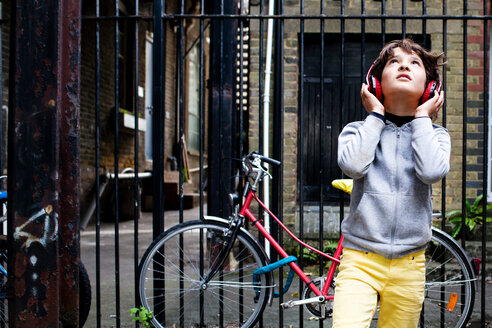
431 150
357 146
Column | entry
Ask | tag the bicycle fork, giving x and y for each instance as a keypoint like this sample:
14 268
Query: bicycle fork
224 252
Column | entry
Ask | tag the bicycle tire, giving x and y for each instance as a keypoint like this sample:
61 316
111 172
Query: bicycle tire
172 291
84 295
449 279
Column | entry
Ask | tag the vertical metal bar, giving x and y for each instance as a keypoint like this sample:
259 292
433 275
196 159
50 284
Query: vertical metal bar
404 20
202 107
383 22
342 93
321 132
443 80
362 51
201 146
485 161
278 140
35 101
443 183
69 215
424 23
98 180
180 69
260 114
300 157
222 170
465 119
241 130
2 130
116 166
135 153
241 79
180 108
158 94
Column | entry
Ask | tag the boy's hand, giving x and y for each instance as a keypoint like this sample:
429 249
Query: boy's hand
431 106
369 101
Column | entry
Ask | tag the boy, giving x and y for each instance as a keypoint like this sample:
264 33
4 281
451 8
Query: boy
393 156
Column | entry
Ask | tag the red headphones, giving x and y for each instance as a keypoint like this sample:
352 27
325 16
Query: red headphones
376 90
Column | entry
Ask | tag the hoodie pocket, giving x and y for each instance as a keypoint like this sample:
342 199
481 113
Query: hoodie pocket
372 219
414 221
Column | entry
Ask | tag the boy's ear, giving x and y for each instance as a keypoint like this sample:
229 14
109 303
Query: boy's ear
432 86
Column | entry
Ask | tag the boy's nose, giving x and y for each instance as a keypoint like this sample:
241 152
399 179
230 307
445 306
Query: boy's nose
403 67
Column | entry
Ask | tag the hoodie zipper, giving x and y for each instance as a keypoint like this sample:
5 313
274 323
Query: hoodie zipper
397 187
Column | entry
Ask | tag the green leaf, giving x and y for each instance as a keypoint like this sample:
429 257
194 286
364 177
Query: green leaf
453 214
477 200
467 205
456 230
471 225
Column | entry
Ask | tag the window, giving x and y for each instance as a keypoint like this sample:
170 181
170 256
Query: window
193 100
126 82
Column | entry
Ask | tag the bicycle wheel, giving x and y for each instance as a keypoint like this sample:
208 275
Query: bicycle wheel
172 289
449 286
84 294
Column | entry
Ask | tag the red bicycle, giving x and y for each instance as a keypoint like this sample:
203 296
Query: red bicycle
214 273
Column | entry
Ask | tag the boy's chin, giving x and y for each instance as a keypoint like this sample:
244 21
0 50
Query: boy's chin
403 93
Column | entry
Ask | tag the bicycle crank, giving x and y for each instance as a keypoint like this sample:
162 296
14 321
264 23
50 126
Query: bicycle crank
318 309
316 299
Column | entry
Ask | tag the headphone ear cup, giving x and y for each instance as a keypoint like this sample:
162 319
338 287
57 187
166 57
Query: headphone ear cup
375 87
432 86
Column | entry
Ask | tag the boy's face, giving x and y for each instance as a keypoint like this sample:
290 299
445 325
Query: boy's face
403 75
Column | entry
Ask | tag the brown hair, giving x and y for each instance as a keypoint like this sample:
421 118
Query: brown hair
431 62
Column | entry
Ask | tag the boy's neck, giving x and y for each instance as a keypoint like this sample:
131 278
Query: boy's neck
401 106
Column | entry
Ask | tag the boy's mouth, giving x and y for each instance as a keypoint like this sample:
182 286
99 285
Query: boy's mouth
405 76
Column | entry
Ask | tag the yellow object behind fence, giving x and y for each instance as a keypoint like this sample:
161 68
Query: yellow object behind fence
343 184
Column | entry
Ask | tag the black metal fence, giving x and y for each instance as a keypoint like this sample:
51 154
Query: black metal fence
177 91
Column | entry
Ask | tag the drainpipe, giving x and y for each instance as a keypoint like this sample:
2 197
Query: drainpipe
266 116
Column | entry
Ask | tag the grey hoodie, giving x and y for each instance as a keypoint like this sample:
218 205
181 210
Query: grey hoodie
393 169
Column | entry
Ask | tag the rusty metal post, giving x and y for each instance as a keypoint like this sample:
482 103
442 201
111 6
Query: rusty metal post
44 55
69 211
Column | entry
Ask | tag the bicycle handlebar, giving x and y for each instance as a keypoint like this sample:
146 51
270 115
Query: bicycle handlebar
270 160
265 159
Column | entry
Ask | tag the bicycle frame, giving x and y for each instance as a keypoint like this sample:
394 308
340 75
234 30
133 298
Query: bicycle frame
335 260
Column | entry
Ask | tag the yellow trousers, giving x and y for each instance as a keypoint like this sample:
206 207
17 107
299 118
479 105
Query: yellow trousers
366 278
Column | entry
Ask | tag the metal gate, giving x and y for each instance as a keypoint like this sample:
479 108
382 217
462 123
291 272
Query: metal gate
172 93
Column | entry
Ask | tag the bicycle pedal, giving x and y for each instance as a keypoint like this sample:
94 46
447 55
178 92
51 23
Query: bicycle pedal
316 299
287 305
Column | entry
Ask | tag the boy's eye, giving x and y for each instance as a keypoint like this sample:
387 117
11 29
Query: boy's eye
393 61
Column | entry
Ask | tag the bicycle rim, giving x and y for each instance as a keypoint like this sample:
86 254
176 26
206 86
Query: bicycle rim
173 291
4 313
450 285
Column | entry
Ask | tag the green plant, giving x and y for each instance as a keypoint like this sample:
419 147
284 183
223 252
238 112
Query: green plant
142 315
329 247
474 216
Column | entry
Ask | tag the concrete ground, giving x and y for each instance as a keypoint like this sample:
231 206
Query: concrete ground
127 274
